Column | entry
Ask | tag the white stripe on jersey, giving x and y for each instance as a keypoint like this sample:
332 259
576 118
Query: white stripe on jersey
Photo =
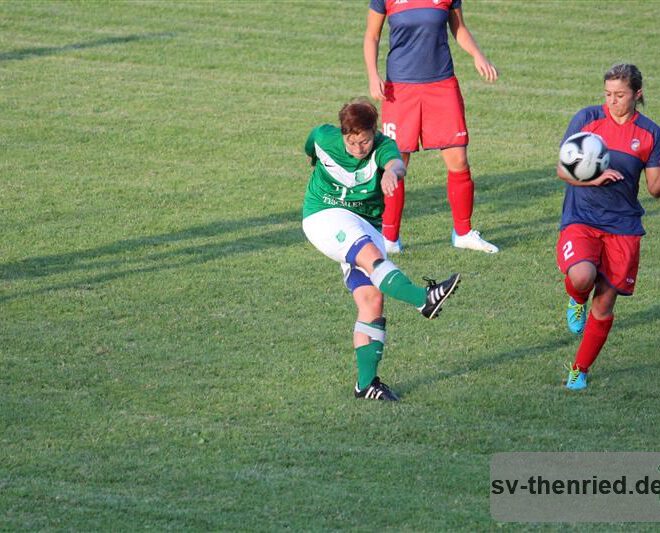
343 176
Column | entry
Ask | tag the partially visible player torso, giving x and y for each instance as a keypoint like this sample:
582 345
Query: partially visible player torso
419 51
633 146
341 180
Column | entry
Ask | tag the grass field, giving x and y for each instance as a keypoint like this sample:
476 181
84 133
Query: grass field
175 356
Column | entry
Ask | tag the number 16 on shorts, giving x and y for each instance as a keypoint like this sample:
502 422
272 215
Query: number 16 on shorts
389 129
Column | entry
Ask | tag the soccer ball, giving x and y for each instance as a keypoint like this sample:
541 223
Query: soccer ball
584 156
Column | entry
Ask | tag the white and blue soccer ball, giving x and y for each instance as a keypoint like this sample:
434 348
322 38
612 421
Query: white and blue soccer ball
584 156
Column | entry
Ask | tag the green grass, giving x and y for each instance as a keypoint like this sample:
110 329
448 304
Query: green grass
174 355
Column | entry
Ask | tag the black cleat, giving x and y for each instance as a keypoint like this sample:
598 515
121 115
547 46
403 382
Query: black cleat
437 293
376 391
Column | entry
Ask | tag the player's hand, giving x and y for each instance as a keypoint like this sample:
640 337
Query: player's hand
485 68
377 88
609 176
389 182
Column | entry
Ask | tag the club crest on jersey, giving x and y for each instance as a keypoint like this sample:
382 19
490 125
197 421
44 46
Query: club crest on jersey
634 145
361 176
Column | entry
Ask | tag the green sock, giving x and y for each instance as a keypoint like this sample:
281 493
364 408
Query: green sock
368 358
397 285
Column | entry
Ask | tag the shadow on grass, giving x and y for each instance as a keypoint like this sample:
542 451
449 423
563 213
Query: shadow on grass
27 53
511 191
647 316
522 355
526 355
506 236
157 253
176 249
53 264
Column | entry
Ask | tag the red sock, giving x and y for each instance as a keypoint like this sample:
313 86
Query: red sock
579 296
393 212
460 193
595 335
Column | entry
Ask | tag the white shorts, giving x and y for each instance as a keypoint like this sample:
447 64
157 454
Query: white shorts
334 231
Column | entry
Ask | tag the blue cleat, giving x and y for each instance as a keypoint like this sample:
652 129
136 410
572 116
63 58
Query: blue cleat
576 316
576 380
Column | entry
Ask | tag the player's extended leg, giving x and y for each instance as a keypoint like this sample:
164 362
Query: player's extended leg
596 331
460 194
393 282
350 240
579 283
369 341
393 214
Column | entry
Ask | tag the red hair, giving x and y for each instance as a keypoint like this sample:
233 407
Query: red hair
357 116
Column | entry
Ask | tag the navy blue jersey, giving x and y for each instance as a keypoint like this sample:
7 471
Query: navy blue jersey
419 51
633 146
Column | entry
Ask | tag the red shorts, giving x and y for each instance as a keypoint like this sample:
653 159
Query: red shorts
431 112
616 257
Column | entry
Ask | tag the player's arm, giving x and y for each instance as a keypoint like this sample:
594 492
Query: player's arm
653 181
310 148
610 175
468 43
563 175
395 169
372 34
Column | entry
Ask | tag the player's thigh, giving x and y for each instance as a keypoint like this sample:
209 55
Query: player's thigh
401 113
333 232
578 243
443 116
620 261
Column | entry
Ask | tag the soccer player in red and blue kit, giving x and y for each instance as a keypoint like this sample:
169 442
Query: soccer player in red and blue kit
601 228
422 101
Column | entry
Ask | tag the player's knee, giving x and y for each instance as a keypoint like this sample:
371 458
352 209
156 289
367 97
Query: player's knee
457 162
370 303
582 281
462 168
602 305
601 314
375 303
582 276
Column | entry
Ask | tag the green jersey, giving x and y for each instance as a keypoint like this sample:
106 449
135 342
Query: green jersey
341 180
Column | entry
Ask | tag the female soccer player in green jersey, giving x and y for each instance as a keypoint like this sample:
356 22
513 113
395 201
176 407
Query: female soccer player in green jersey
354 167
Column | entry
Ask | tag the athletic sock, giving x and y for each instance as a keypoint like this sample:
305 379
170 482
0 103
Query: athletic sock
580 297
392 282
460 193
595 335
394 212
368 357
